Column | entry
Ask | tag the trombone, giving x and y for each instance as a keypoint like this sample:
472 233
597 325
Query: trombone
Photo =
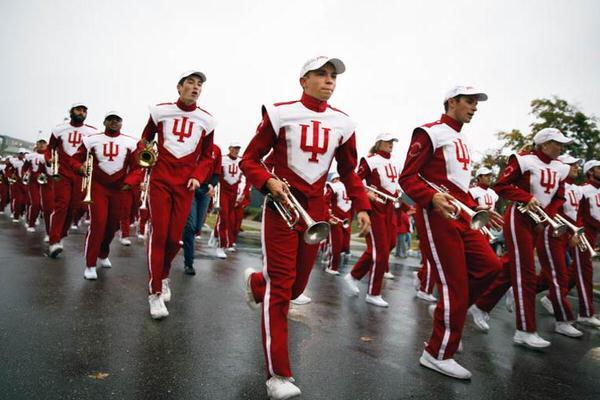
86 182
583 245
478 218
54 165
148 156
539 216
217 199
383 198
345 222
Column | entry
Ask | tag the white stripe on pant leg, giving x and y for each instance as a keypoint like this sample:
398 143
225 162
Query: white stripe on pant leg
518 267
267 297
89 233
374 265
428 279
445 296
330 255
582 292
150 235
553 269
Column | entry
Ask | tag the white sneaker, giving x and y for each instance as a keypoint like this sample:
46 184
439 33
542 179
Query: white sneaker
388 275
352 284
565 328
376 301
547 304
104 262
212 241
158 309
231 249
416 280
46 239
447 367
480 318
332 271
248 290
140 236
198 238
90 273
55 249
426 296
220 253
301 300
166 290
589 321
510 300
31 229
125 241
281 388
530 339
74 227
15 220
431 309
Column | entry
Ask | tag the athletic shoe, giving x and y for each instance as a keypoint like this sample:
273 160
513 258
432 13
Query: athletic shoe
212 241
55 249
125 241
31 229
565 328
74 227
352 284
301 300
158 309
416 280
510 300
231 249
376 301
248 290
480 318
166 290
426 296
332 271
220 253
281 388
15 220
104 262
388 275
547 304
447 367
90 273
189 270
140 236
530 339
46 239
589 321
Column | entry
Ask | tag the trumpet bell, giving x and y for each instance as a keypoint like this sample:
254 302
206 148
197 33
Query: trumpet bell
147 157
479 219
316 232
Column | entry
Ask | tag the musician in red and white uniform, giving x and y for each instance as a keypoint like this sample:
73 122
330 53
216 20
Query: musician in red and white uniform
114 172
228 185
582 268
66 140
305 136
377 170
462 257
40 195
4 190
341 208
535 179
15 170
184 133
242 201
485 196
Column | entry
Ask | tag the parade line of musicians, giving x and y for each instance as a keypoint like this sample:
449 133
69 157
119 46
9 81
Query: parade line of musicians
169 179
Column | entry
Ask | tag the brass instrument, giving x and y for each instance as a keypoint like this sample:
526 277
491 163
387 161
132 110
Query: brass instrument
539 216
42 179
217 199
478 218
345 222
11 180
25 178
54 165
383 198
584 245
147 157
144 194
86 182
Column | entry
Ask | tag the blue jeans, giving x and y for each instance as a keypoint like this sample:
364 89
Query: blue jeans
194 223
402 244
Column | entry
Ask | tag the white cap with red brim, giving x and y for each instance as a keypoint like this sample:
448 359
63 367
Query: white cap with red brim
465 91
548 134
317 62
192 72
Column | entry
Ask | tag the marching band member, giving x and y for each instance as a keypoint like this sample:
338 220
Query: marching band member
340 206
114 172
18 192
485 196
65 140
463 259
184 133
305 135
379 171
228 184
424 278
35 165
4 186
402 231
242 201
536 180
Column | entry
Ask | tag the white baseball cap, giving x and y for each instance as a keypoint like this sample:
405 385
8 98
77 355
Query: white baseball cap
192 72
385 137
77 104
23 150
235 144
334 176
483 171
465 90
589 165
317 62
548 134
569 159
115 113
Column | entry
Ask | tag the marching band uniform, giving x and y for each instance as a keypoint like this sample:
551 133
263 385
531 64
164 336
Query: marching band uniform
228 185
242 201
341 207
18 191
35 165
4 187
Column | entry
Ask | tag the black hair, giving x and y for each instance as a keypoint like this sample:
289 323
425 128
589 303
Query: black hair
457 98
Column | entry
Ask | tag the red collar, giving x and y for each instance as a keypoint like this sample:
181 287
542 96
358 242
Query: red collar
451 122
570 181
481 185
229 155
383 154
313 104
594 183
75 125
185 107
112 134
545 159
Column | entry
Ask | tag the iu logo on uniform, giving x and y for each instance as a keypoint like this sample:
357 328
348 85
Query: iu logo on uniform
391 172
314 147
573 200
548 179
182 132
598 199
487 199
345 197
462 153
110 150
74 138
233 169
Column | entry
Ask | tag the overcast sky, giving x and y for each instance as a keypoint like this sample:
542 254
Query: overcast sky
401 58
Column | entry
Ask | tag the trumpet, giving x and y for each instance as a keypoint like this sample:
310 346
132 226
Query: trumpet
86 182
25 179
144 194
42 179
383 198
217 199
345 222
584 245
147 157
11 180
293 212
478 218
539 216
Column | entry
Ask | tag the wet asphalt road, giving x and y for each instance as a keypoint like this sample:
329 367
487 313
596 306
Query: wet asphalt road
66 338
